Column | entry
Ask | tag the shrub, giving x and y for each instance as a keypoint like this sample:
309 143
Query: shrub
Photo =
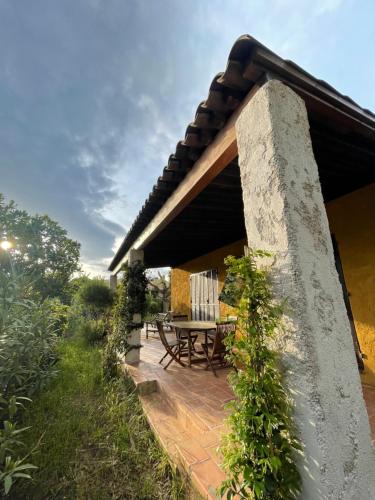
93 331
27 340
96 296
27 355
58 315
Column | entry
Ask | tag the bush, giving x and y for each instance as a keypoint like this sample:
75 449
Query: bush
27 355
96 295
93 331
27 340
58 314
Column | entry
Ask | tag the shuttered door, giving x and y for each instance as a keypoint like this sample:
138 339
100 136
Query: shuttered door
204 296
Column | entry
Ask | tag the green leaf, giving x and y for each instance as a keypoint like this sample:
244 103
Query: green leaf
8 481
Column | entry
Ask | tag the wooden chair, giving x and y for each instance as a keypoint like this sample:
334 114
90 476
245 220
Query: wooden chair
214 348
151 325
172 347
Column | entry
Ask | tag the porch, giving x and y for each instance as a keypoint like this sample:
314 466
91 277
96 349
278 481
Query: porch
185 408
274 160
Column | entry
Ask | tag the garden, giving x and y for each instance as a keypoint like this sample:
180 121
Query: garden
68 427
72 426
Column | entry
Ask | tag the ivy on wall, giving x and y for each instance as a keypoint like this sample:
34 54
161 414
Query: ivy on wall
130 300
259 451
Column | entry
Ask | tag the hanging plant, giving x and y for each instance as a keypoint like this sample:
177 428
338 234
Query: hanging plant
130 300
259 451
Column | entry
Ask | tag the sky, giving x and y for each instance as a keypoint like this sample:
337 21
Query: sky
95 94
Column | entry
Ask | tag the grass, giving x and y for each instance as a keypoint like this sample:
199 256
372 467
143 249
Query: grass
94 440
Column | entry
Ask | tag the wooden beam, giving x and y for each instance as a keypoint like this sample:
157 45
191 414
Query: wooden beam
214 159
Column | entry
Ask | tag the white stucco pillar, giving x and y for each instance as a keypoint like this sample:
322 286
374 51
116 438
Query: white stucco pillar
133 356
113 282
285 214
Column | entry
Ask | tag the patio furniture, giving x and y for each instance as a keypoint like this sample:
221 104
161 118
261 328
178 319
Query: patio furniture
151 326
173 347
188 329
178 316
214 348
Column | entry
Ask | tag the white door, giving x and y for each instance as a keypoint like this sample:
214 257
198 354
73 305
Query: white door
204 296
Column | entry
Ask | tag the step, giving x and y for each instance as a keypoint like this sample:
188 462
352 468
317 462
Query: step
193 451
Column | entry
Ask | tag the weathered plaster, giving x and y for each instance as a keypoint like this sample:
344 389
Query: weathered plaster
133 356
285 213
113 282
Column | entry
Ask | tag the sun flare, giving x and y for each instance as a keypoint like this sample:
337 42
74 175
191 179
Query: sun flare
6 245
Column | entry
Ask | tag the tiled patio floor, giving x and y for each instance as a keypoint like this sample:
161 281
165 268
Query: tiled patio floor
186 412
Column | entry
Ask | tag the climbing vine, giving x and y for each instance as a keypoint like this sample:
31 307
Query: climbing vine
130 299
259 451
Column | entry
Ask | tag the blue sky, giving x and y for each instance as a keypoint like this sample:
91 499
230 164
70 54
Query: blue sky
94 94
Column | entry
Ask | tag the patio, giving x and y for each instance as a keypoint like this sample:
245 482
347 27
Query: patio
185 408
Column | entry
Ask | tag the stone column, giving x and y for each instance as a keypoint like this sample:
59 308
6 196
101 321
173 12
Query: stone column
113 282
285 214
133 356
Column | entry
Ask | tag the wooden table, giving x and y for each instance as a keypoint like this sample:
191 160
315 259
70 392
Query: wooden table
192 326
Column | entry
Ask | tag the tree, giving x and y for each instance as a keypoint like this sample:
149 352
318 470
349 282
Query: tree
158 293
96 295
40 250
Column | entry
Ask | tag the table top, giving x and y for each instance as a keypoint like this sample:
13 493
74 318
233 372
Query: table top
194 325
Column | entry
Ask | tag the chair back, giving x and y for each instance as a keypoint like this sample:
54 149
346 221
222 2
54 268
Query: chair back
161 332
222 330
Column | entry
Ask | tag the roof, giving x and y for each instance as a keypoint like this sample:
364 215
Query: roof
249 61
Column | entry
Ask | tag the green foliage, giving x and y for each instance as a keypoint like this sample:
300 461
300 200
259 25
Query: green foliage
27 354
27 339
96 442
158 294
41 250
96 295
130 299
259 451
58 313
93 331
154 304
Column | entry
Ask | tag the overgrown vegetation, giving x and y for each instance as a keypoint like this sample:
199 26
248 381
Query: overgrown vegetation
92 304
28 333
259 451
158 294
94 440
130 300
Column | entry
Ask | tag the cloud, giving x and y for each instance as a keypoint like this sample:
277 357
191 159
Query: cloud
95 94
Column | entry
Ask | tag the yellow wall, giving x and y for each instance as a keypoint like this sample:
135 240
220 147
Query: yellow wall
180 277
352 220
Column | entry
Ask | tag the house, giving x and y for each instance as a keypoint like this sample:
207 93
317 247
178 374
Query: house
278 160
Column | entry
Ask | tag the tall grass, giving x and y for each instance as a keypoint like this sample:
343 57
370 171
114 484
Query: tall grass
94 440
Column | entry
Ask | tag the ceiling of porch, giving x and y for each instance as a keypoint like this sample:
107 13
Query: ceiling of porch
215 217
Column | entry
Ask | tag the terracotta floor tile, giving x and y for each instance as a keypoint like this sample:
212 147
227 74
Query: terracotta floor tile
191 452
187 413
208 477
214 454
